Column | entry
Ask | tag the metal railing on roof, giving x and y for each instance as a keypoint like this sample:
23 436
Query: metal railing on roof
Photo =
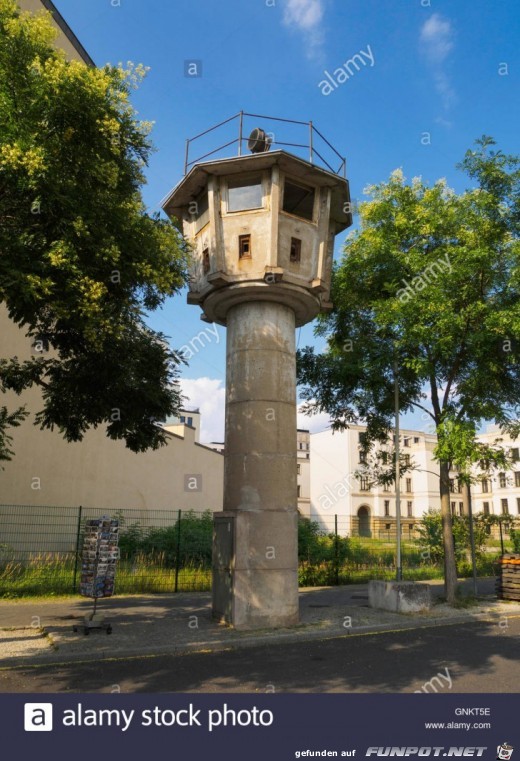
313 136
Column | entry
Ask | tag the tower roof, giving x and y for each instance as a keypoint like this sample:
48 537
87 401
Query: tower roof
196 180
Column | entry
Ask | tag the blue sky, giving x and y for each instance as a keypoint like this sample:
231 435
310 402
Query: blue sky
449 69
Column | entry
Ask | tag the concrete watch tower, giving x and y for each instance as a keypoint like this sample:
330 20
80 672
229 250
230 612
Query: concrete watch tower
262 227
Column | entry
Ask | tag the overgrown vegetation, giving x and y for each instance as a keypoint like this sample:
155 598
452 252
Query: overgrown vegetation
179 556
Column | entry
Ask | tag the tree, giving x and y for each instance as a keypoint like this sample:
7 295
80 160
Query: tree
81 259
428 286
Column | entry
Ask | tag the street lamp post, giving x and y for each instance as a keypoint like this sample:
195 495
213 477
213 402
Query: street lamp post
399 574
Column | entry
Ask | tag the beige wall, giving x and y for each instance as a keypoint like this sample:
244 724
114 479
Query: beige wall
71 47
46 470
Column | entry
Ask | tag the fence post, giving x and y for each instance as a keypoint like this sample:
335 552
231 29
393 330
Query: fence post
336 551
178 553
78 533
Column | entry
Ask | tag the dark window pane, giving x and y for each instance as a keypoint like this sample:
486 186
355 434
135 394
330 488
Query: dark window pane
298 200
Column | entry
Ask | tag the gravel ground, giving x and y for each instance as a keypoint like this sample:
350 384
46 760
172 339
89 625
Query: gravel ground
18 643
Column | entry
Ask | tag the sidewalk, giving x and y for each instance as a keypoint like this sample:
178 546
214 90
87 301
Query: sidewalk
41 632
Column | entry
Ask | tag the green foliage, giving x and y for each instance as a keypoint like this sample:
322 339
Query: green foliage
515 538
187 543
431 538
82 260
9 420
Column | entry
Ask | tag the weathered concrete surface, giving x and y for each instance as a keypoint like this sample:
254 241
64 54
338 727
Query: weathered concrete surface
399 596
260 495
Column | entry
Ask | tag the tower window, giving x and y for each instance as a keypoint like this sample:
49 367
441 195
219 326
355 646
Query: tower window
298 200
205 260
199 211
296 250
245 194
244 246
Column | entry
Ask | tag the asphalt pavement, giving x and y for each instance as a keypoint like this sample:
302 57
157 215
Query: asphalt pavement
170 643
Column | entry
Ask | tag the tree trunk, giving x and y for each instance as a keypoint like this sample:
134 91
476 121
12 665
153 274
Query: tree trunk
450 566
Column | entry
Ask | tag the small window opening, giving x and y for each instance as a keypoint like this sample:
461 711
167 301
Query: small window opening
244 246
296 250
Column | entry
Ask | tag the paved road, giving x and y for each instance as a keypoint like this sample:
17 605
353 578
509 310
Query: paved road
473 657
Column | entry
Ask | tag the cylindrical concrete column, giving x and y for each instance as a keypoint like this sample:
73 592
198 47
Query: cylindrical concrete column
260 462
260 470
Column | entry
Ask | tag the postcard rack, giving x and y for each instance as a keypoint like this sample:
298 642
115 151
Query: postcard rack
98 568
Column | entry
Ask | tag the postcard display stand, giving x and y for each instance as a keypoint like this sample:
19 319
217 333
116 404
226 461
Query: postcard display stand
98 568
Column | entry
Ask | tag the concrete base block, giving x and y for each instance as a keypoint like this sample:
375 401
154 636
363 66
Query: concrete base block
399 596
255 572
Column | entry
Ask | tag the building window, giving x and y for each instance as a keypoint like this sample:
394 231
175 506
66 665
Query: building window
407 459
182 418
387 508
518 505
245 194
408 484
452 485
363 458
298 200
388 526
296 250
453 507
205 260
515 454
406 441
485 507
502 480
416 439
386 487
299 469
299 491
459 487
517 478
190 422
505 507
461 508
364 484
244 247
409 508
485 486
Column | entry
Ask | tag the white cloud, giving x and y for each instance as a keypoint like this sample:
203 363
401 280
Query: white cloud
437 38
208 394
306 16
436 43
313 423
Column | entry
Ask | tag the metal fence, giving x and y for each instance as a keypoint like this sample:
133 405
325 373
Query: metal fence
160 550
171 551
